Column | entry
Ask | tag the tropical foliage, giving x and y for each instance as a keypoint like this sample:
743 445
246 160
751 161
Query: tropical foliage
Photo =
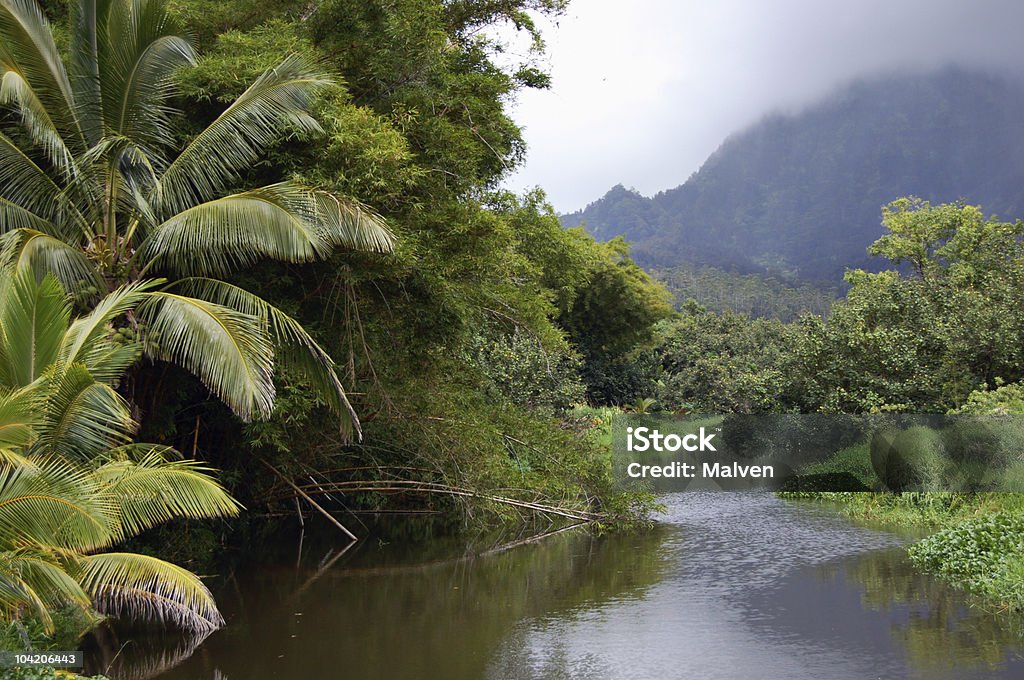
96 188
72 485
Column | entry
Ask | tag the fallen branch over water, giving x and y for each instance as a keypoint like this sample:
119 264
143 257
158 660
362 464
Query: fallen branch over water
399 485
310 500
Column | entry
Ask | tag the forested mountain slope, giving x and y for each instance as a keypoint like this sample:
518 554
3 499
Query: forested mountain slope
800 195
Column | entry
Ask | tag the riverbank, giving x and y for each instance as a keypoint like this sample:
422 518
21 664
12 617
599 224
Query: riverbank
977 544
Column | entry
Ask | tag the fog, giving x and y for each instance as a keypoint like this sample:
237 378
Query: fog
644 91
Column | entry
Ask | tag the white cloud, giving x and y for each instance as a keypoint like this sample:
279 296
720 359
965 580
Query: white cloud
644 91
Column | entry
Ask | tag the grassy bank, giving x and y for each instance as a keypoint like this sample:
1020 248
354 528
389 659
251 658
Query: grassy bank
978 539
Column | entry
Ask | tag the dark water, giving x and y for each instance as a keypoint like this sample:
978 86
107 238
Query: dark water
731 586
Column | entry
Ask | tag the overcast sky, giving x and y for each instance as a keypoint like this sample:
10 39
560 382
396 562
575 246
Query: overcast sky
645 90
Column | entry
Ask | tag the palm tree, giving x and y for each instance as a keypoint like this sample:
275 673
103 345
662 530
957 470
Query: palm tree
71 483
93 190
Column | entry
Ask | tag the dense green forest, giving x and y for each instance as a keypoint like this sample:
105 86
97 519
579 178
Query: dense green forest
271 239
798 195
756 295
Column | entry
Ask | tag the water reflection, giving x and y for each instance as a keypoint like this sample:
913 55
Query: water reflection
731 586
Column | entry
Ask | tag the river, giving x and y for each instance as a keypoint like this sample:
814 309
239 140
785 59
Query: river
730 585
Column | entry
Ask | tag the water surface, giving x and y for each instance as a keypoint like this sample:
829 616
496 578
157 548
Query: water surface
731 585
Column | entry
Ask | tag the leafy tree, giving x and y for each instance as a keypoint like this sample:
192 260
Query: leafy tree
722 363
926 339
94 189
71 484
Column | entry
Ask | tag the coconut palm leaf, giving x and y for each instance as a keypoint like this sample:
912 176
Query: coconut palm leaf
27 47
51 503
228 350
82 340
294 348
32 323
276 103
153 490
19 416
350 224
15 91
149 588
233 232
41 253
82 415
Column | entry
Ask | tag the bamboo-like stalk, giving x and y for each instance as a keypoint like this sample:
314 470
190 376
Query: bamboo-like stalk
309 500
432 487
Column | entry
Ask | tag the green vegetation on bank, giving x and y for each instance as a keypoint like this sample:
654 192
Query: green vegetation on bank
311 279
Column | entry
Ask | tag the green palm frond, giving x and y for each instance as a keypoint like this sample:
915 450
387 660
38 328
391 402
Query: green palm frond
19 416
350 224
149 588
37 578
83 415
229 233
276 103
153 490
25 184
32 323
82 339
143 48
52 503
27 47
15 91
42 253
294 348
229 351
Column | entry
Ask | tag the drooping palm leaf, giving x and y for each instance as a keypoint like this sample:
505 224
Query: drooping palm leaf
83 415
229 351
230 233
52 503
294 348
149 588
27 47
277 102
41 253
152 490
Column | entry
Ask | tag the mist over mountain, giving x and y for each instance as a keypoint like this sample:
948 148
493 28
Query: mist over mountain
800 195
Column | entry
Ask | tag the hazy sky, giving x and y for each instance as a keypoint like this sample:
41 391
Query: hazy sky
645 90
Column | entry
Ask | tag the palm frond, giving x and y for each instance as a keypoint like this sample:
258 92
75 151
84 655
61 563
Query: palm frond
42 578
294 348
28 249
82 415
141 48
27 47
223 235
153 490
33 316
52 503
25 184
19 414
82 341
15 90
149 588
229 351
350 224
278 102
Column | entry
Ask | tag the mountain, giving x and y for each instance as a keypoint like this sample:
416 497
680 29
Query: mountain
800 195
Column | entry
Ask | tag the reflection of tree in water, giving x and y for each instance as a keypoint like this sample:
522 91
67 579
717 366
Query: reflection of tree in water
942 626
446 618
137 657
